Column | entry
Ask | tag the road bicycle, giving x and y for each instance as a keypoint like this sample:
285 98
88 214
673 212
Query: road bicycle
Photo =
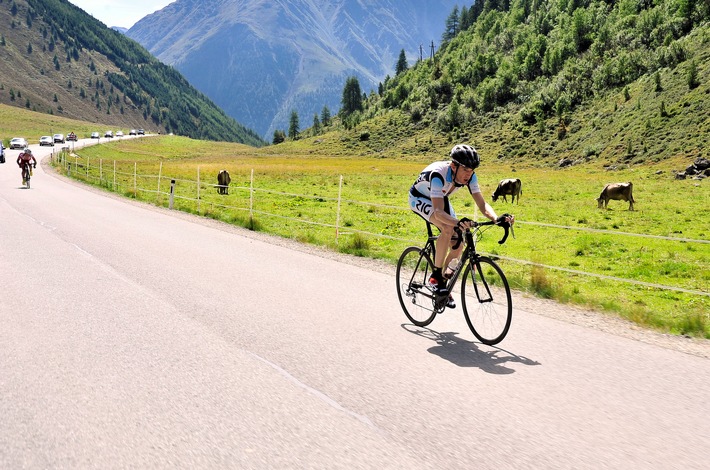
485 293
27 174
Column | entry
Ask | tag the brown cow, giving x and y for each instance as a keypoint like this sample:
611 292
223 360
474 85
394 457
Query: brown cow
223 181
617 192
512 187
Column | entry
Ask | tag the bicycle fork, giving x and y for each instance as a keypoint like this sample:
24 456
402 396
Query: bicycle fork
476 267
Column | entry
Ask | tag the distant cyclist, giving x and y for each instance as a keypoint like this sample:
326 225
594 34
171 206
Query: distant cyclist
26 160
429 198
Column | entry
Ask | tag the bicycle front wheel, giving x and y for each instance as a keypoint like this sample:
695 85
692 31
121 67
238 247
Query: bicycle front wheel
413 271
486 301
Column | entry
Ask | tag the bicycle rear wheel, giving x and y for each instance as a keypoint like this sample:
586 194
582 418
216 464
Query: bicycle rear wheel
415 296
486 301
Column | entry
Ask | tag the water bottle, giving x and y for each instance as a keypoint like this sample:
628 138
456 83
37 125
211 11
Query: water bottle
451 268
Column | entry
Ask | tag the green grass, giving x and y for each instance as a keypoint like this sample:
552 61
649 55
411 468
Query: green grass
375 222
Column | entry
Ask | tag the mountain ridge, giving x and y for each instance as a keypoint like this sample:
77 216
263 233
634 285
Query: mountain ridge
276 53
65 62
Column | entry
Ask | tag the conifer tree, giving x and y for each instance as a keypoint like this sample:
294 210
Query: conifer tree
316 124
401 63
293 125
325 116
279 136
352 97
452 25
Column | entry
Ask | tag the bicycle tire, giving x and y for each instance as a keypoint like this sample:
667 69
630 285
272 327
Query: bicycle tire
413 271
486 301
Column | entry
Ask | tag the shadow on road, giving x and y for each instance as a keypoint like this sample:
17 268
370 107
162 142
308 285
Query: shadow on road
464 353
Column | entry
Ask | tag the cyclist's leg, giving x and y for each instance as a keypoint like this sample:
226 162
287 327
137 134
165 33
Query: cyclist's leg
423 207
447 240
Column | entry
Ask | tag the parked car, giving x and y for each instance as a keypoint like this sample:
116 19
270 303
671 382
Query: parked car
109 134
18 143
119 134
132 132
58 138
46 140
141 132
71 136
95 135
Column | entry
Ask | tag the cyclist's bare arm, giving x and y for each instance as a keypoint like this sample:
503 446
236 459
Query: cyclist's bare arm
484 207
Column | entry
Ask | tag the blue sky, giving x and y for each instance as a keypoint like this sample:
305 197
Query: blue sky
124 13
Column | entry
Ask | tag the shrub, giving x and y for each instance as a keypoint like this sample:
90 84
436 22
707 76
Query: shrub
540 283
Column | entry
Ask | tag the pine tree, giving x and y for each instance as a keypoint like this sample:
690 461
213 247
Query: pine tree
316 124
325 116
401 63
693 76
352 97
452 25
279 136
466 18
293 125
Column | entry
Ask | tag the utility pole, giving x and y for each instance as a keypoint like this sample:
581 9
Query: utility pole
432 49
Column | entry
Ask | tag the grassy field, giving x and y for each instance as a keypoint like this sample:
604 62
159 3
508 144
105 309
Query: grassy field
296 196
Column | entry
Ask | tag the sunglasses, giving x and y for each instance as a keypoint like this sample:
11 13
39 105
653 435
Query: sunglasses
464 167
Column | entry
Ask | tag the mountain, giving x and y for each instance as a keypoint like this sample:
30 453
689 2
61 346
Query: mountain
58 59
554 83
261 59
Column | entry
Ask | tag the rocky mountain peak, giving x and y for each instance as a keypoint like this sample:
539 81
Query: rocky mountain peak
261 59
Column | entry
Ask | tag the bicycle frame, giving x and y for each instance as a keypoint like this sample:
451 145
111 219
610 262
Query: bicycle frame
26 173
469 253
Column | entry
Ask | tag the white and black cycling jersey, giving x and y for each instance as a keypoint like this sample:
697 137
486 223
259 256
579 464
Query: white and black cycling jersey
437 180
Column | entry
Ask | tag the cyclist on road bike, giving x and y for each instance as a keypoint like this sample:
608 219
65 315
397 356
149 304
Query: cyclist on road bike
429 198
24 160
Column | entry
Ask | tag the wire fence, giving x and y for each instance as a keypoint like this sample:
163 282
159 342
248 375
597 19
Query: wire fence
200 195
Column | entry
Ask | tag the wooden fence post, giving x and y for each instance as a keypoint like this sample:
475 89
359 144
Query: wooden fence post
337 217
251 195
160 174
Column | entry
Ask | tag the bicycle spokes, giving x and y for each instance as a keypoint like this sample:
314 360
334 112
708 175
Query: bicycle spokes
413 270
486 301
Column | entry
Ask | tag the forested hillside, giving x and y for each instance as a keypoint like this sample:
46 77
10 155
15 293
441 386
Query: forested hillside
561 81
58 59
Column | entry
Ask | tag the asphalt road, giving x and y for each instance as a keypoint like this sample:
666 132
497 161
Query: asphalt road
131 337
